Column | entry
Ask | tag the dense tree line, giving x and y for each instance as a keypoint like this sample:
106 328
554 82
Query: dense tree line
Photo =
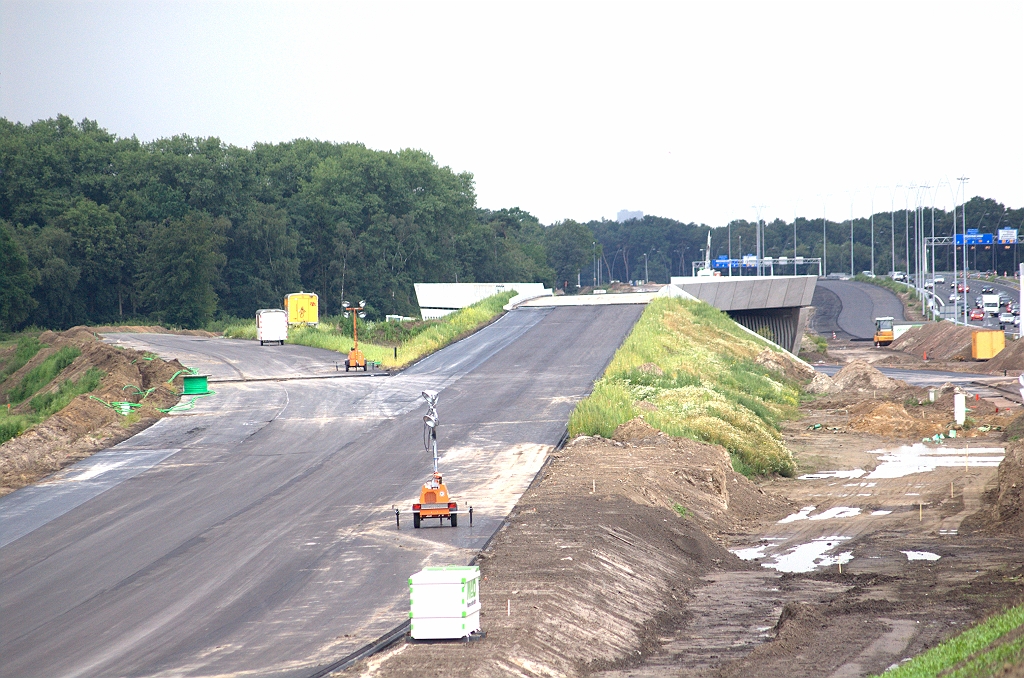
669 247
96 228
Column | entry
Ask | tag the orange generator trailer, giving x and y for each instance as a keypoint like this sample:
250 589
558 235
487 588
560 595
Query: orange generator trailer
435 501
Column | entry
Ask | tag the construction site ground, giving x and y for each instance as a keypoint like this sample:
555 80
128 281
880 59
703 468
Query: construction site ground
624 558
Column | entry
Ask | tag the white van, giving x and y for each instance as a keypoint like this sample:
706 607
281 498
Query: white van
272 325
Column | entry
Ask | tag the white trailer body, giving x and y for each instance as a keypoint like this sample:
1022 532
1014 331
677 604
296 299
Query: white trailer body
272 325
990 302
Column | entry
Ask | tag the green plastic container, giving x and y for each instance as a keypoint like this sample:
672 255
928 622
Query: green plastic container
195 384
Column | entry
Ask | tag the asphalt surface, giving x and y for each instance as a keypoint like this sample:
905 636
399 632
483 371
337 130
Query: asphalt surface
849 308
254 535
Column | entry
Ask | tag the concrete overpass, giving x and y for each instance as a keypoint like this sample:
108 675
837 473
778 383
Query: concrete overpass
774 306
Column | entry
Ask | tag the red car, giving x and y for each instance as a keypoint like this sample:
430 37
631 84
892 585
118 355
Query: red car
960 288
977 314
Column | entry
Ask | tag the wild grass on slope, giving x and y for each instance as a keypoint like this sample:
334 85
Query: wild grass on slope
688 369
26 350
48 403
977 652
43 373
414 340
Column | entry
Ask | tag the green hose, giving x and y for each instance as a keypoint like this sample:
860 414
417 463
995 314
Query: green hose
138 391
190 370
184 407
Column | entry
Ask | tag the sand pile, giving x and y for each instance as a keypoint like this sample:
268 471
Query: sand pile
85 425
781 362
1010 358
859 376
941 341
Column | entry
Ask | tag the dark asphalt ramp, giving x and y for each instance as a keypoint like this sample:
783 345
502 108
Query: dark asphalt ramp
267 545
849 308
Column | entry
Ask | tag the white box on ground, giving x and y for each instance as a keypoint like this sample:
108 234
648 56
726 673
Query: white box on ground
444 602
271 325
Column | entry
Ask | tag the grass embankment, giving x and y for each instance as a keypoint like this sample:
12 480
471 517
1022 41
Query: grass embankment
38 378
688 369
26 350
378 340
979 651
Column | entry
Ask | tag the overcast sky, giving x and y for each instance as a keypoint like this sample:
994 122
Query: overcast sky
692 110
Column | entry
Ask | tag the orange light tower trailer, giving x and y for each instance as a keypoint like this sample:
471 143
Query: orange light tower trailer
435 502
355 359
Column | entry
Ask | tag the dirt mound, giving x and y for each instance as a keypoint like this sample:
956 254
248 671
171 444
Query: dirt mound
1010 359
793 369
821 383
593 567
1005 512
148 329
85 425
941 341
860 376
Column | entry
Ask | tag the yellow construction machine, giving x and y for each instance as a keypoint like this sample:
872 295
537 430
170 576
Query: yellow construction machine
883 331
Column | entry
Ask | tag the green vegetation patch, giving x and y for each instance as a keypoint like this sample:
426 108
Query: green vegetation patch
977 652
43 373
49 403
688 369
26 350
378 340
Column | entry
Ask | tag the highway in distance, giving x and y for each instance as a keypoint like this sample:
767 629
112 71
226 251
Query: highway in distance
255 534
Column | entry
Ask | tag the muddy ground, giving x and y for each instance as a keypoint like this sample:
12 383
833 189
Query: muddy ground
620 560
86 426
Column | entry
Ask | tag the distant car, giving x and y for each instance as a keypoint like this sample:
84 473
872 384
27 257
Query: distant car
963 288
978 302
954 297
977 314
898 276
1006 318
940 279
988 289
1016 320
929 284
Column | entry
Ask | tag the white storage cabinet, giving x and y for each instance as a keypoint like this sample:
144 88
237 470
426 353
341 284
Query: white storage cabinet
444 602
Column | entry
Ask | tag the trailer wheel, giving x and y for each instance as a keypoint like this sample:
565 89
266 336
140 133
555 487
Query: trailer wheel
346 366
416 520
455 520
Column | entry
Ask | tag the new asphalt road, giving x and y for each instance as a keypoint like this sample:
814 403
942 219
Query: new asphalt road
255 534
849 308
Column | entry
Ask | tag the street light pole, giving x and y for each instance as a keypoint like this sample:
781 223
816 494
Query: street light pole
963 183
647 277
892 223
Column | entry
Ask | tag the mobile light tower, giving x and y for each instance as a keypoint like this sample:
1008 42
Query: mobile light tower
435 502
355 359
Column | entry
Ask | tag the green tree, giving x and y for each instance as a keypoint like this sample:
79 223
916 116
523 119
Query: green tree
570 248
182 266
262 260
17 280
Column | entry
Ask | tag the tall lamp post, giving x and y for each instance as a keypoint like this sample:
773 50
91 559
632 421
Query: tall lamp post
963 183
892 223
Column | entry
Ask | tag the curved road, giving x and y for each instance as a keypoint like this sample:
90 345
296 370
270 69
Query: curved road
254 534
849 308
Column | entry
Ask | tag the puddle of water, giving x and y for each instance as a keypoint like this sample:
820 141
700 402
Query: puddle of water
918 458
802 515
834 512
920 555
807 557
837 512
751 553
824 475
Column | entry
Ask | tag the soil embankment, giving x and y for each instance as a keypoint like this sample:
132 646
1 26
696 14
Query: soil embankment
596 574
85 425
597 562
